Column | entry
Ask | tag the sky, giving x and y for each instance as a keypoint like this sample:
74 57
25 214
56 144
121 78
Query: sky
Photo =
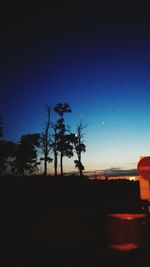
94 58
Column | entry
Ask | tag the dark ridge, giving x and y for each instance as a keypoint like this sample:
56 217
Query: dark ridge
69 191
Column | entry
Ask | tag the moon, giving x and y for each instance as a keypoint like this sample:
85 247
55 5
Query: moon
103 122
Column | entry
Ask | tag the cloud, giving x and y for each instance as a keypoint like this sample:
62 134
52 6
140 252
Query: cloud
120 172
113 171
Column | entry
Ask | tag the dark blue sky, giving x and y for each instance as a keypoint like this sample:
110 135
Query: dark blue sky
96 59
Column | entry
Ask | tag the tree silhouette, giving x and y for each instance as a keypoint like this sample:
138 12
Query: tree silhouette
79 166
80 146
45 142
7 150
23 155
26 155
61 108
63 145
54 144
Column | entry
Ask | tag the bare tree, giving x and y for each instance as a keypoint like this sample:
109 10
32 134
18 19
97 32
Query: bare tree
45 142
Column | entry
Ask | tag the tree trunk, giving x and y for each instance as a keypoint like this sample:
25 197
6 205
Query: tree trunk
55 162
46 140
79 158
45 166
61 163
80 170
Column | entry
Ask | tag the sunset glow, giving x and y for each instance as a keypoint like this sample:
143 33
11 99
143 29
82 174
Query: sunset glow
132 178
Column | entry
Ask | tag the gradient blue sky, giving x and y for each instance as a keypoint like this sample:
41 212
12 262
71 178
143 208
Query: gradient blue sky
100 65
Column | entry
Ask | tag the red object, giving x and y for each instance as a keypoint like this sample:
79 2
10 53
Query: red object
144 168
126 231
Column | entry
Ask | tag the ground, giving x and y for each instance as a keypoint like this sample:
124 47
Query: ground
47 223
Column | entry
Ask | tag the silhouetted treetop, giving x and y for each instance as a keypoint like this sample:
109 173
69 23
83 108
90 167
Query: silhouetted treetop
61 108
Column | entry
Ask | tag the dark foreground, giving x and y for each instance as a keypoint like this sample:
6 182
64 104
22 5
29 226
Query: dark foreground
62 222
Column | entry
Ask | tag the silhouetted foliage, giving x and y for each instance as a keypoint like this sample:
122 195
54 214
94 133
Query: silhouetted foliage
79 166
26 155
80 146
54 143
64 145
7 151
61 108
45 142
